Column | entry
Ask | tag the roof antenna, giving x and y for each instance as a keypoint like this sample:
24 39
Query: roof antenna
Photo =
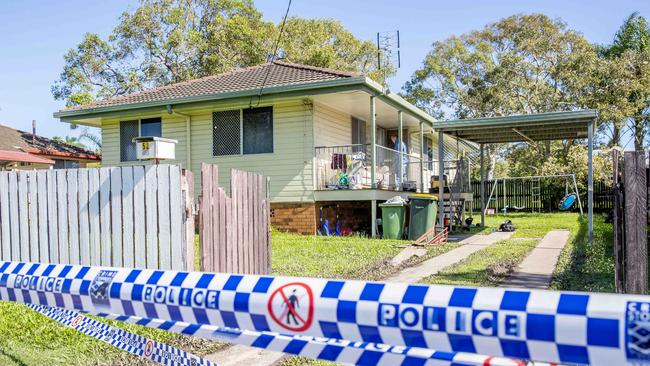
273 56
388 53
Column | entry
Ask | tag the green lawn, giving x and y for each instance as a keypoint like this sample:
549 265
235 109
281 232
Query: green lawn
28 338
490 266
31 339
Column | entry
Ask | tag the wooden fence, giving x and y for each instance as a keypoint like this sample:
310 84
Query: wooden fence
122 217
234 231
630 221
518 194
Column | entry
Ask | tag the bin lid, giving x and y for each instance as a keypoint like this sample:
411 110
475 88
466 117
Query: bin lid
392 204
423 196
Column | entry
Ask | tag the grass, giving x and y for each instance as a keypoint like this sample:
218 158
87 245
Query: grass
28 338
587 267
490 266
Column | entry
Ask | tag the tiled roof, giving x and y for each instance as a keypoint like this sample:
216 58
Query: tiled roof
16 140
279 74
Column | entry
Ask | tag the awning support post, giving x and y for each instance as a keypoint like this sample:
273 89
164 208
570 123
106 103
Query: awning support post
373 145
400 139
590 179
422 154
441 172
482 189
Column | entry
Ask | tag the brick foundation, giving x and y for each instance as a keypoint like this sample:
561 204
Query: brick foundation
294 217
304 218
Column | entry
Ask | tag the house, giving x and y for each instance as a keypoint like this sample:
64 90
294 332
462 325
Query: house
23 150
323 137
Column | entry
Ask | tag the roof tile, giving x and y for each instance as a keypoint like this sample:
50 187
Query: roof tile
279 74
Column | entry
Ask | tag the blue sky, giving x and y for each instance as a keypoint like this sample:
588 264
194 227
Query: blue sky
35 34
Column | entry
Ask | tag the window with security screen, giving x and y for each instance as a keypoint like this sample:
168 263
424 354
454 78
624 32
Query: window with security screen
258 130
226 133
128 131
248 131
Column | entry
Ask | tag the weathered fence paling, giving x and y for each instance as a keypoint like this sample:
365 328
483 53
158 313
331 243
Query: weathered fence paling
234 231
124 216
636 223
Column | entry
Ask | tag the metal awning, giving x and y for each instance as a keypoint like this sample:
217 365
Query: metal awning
520 128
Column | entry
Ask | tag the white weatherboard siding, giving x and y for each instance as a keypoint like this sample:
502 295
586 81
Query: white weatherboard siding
289 167
331 127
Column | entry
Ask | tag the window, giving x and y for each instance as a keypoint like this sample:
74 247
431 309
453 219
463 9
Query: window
248 131
131 129
258 130
358 131
65 164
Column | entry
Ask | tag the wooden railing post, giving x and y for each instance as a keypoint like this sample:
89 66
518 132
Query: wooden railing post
636 239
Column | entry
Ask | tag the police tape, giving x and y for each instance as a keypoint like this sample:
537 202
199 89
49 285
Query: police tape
564 327
132 343
335 350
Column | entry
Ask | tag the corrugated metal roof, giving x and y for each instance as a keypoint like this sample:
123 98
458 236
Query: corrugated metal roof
517 128
18 156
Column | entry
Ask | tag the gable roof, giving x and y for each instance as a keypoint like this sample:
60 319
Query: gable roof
279 74
16 140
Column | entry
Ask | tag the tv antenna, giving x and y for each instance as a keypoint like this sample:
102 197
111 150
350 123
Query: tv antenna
388 54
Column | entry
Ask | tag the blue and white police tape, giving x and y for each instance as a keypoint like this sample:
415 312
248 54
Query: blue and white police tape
340 351
598 329
140 346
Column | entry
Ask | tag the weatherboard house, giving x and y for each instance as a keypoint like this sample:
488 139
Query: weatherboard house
325 138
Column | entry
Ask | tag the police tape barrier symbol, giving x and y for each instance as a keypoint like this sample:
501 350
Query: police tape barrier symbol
292 306
337 350
122 339
549 326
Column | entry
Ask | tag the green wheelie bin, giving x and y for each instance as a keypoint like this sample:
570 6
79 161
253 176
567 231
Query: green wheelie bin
423 210
392 220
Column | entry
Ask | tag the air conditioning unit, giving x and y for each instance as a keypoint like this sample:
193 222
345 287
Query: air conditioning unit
155 148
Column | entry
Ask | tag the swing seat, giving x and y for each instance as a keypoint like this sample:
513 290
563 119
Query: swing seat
568 201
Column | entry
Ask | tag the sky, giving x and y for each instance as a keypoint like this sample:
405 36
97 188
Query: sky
35 34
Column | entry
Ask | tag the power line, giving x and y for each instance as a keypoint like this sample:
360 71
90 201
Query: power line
275 51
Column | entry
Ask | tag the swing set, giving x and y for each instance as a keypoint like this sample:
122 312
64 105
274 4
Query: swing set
533 182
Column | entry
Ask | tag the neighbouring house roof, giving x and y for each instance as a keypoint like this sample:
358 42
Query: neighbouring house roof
14 140
276 77
23 157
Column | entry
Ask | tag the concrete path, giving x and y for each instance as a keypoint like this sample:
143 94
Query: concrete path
434 265
536 271
237 355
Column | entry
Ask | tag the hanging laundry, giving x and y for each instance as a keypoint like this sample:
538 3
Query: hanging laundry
339 161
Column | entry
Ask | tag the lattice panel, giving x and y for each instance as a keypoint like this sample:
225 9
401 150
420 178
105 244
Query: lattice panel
226 132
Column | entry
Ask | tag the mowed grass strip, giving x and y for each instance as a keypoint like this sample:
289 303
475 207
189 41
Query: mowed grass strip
587 267
490 266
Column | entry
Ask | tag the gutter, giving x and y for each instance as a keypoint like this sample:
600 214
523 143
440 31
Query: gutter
188 133
398 102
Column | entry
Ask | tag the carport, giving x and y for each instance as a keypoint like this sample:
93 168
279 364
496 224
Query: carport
522 128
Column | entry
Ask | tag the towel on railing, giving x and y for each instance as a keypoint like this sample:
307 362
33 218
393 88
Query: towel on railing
339 161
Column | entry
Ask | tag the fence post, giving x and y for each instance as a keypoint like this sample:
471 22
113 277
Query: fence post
636 240
187 189
617 220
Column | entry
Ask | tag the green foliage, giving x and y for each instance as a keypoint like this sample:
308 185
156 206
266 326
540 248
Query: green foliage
623 92
326 43
167 41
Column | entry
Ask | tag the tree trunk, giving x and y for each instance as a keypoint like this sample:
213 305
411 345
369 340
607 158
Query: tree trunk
491 162
639 133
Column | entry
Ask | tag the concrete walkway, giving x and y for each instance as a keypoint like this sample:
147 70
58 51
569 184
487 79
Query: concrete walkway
434 265
237 355
536 271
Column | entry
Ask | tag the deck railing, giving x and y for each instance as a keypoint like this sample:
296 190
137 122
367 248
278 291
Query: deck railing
350 167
